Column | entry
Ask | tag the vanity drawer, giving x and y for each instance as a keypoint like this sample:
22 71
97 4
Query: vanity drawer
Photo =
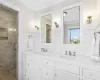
48 73
87 79
35 58
67 67
48 62
91 74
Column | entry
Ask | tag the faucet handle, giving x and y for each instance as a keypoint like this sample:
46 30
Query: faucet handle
66 52
42 49
70 53
74 53
46 50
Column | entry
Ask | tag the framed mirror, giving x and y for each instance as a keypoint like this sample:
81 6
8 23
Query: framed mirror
46 27
71 24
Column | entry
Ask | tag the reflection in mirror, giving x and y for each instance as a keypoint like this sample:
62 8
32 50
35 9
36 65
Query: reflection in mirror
71 22
46 24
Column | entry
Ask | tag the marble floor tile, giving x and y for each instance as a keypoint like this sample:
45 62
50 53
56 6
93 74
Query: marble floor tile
7 74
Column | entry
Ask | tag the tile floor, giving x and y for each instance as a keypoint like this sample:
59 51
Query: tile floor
7 74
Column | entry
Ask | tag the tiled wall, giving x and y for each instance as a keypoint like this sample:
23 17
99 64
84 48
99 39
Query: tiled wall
8 20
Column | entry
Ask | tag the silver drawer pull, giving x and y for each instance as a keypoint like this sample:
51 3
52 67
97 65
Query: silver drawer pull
90 74
55 74
46 73
39 68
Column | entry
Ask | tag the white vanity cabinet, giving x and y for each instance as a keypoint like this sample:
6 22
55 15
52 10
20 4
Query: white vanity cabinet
48 73
34 70
48 62
66 71
25 67
62 75
67 67
91 74
48 69
38 67
32 66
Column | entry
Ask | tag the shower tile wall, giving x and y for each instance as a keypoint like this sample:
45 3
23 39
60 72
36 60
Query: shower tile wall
8 20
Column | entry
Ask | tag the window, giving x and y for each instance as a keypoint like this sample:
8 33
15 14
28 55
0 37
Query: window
74 35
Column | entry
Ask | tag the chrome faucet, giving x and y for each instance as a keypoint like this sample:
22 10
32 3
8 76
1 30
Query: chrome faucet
66 52
70 53
44 50
74 53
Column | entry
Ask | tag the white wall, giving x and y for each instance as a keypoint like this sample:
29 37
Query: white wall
26 17
89 9
26 21
26 24
98 8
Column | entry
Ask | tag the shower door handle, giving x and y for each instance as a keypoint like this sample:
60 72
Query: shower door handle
14 46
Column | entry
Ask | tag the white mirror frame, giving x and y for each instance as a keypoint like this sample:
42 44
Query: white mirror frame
81 20
47 13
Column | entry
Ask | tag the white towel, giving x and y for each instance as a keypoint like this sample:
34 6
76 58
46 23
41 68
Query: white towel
96 47
93 46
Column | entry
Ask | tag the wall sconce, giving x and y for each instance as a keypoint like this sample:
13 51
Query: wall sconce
37 27
65 13
89 20
56 24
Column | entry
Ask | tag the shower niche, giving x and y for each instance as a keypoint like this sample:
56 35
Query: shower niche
3 33
8 43
3 29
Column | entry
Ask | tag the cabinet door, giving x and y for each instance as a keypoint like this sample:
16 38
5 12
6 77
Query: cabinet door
25 77
25 67
34 71
61 75
48 73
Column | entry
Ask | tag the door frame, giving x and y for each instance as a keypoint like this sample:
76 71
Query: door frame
14 8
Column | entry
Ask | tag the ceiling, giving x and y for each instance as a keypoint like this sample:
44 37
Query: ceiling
39 4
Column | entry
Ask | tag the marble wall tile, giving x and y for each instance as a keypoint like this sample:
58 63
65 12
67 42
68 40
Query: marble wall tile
8 20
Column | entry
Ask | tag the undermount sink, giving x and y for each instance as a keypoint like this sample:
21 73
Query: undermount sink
68 57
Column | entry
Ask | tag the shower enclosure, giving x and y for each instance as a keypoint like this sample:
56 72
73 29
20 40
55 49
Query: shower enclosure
8 43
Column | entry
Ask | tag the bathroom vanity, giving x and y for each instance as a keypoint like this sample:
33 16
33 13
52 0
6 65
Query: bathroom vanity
41 66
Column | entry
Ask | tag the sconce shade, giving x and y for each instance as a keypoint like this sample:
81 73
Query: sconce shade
37 27
89 19
56 24
65 13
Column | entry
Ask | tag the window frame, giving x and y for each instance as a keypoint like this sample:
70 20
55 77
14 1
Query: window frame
69 36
